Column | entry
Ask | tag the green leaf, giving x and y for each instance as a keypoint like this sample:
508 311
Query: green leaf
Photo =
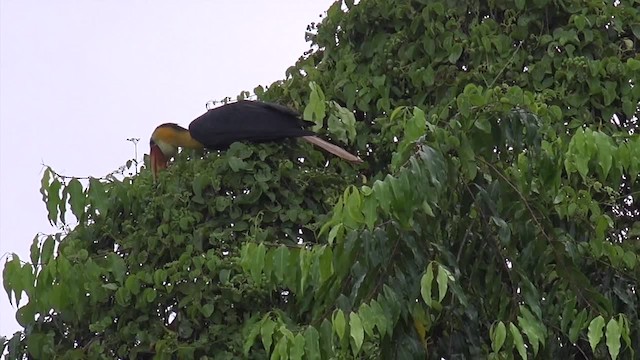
483 124
207 309
567 314
186 352
40 345
623 322
47 250
9 278
62 205
198 185
382 193
333 234
150 294
77 198
454 53
344 123
370 211
630 259
556 111
98 197
357 332
636 32
280 262
531 327
257 263
326 337
368 319
609 92
281 350
425 285
380 317
520 4
236 164
26 276
499 336
316 108
326 264
580 21
339 323
297 350
352 205
416 125
117 266
304 261
266 333
82 255
443 282
110 286
464 106
613 338
132 284
35 250
428 76
518 341
396 112
595 331
53 200
577 325
312 343
633 64
336 128
44 183
224 275
605 153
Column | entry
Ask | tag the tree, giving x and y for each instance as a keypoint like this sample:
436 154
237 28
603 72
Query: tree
496 216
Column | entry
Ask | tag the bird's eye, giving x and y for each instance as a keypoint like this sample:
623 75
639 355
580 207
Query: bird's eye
151 142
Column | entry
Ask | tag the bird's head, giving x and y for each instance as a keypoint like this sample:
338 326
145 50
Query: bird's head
164 144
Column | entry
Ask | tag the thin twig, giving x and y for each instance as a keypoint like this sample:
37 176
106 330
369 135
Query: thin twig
524 200
507 64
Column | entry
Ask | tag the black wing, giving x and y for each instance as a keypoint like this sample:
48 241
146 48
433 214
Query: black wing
247 120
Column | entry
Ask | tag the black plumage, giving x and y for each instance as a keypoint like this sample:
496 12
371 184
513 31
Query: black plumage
247 121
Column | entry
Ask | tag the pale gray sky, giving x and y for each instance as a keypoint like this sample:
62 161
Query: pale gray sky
77 78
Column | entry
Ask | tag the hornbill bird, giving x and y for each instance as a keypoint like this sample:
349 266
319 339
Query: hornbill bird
244 120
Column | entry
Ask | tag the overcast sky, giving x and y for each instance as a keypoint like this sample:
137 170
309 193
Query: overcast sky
77 78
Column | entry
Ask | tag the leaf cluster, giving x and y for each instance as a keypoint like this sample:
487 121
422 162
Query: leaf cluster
496 216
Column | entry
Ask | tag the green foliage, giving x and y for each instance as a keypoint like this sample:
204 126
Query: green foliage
496 216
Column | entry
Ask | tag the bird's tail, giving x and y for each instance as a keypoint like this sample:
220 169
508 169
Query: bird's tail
334 149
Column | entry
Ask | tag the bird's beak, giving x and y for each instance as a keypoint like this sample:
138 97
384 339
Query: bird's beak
158 160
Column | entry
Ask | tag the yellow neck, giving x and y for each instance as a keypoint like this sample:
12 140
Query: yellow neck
184 139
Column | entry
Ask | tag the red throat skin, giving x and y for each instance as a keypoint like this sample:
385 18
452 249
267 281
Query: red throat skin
158 161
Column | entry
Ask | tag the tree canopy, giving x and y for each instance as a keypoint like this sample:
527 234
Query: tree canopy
496 215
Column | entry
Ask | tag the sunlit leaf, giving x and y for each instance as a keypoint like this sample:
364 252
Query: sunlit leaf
357 332
297 349
518 341
613 338
426 283
312 348
499 336
339 323
443 282
266 333
595 331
